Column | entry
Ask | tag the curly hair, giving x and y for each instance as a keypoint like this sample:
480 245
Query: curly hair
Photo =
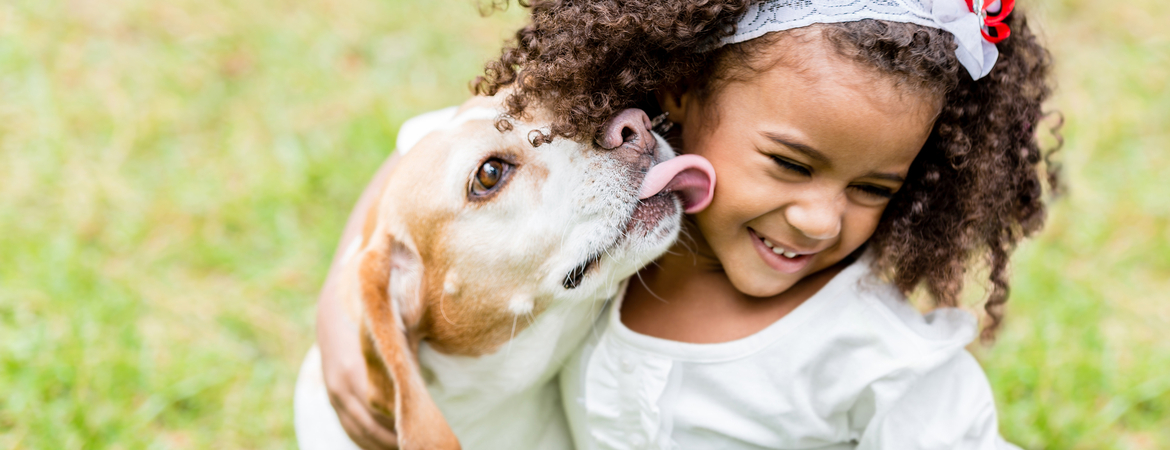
973 192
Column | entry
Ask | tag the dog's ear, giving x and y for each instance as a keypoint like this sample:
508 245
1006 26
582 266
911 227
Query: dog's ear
390 275
381 386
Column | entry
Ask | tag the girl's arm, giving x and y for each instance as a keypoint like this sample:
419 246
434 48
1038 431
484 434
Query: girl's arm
342 362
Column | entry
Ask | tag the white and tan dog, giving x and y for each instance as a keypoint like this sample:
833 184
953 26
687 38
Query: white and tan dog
486 261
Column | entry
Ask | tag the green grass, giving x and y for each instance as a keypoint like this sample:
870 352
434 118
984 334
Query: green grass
1085 361
174 176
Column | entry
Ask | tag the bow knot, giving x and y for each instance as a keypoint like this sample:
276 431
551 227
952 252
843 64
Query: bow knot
991 15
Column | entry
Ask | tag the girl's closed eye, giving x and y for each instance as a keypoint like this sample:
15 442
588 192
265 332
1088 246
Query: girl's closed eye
874 191
791 166
871 191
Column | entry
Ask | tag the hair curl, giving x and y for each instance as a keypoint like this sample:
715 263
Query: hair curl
974 191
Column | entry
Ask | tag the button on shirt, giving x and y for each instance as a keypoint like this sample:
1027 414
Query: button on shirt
853 367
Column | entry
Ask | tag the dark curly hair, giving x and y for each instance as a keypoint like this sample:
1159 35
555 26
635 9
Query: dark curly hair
974 191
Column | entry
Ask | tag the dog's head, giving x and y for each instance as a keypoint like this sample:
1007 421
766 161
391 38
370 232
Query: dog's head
477 228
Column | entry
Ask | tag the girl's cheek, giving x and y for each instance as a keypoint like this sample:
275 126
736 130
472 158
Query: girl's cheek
865 223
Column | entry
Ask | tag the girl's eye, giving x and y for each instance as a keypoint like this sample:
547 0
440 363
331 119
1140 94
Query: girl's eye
874 191
791 166
489 176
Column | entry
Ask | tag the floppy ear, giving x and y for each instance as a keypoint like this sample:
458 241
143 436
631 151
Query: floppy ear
390 276
381 394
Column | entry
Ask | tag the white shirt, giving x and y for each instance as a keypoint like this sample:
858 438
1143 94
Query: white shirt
853 367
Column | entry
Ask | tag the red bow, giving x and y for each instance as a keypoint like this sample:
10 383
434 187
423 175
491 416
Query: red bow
993 29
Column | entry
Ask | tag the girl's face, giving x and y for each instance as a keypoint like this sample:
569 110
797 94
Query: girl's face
806 155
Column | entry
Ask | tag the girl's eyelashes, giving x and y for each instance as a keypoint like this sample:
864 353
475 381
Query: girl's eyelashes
791 166
871 190
874 191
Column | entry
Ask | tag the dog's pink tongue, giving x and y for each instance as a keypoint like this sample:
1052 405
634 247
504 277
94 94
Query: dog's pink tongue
690 175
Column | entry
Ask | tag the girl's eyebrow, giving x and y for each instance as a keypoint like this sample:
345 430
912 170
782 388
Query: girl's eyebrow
886 176
805 149
821 158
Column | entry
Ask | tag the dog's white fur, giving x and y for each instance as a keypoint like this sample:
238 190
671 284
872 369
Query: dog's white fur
478 287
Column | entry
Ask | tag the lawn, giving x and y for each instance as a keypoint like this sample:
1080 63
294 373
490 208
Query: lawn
174 176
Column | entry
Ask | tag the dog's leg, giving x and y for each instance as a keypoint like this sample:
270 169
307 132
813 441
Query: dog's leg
390 277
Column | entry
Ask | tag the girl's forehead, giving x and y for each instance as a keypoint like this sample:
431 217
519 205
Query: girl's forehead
845 112
804 58
822 84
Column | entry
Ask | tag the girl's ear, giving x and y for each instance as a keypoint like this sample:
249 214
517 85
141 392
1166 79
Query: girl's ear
675 103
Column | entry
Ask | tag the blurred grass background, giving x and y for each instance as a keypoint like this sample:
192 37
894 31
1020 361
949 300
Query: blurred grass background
174 176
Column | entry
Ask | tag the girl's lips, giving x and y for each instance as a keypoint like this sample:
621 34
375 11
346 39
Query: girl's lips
779 263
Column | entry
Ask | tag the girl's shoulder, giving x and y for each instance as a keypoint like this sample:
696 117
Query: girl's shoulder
870 319
884 306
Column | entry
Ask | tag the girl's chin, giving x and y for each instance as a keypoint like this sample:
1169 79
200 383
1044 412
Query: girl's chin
759 284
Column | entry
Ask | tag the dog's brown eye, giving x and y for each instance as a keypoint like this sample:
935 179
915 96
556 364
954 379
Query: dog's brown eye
489 176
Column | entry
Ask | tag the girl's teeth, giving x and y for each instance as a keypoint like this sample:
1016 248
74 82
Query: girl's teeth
778 250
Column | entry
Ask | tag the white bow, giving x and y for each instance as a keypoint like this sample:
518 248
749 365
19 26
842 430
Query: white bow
975 53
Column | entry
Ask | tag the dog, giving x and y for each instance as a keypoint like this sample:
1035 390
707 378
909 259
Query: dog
486 259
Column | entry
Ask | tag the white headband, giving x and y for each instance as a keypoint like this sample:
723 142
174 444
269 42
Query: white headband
976 50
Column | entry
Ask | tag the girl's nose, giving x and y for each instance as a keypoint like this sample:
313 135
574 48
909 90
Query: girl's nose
817 216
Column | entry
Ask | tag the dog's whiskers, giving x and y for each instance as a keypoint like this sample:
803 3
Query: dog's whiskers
651 291
688 242
444 313
564 231
512 338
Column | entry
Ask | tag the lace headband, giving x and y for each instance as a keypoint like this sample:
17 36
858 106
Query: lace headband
976 24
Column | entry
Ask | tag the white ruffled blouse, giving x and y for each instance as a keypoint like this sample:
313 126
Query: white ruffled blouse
853 367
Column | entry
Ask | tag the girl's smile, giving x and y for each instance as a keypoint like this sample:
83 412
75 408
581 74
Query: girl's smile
781 257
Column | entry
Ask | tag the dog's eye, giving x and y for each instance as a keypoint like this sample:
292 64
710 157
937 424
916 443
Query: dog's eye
489 176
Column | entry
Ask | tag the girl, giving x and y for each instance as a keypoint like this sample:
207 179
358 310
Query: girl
864 149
